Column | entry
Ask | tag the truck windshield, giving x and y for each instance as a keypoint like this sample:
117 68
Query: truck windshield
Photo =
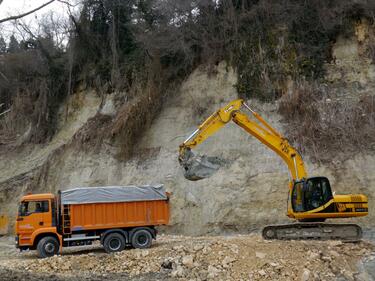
29 207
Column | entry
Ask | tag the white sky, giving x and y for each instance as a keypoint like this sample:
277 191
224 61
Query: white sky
15 7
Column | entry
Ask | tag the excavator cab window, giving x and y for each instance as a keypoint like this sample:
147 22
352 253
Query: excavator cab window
317 192
297 197
311 194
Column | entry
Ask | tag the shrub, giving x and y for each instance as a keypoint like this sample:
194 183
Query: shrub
328 128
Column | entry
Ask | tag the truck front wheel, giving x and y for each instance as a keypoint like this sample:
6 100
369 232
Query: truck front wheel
47 247
141 239
114 242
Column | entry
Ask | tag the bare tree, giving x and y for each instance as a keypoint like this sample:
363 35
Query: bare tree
25 14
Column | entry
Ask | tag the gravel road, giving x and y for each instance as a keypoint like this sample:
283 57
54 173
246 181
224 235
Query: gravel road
241 257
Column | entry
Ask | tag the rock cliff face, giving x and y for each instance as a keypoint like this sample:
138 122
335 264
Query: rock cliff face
249 192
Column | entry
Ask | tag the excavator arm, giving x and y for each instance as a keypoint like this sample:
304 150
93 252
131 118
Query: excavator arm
258 128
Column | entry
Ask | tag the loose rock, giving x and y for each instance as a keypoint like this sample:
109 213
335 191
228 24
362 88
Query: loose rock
188 261
260 255
305 275
198 258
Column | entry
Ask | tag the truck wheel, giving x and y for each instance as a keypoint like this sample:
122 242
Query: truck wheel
47 247
141 239
114 242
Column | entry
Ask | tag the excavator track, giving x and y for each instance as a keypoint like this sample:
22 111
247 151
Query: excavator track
313 231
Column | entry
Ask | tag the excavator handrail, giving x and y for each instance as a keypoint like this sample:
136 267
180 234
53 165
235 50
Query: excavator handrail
264 132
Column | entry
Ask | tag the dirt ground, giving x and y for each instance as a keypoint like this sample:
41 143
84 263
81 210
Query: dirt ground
240 257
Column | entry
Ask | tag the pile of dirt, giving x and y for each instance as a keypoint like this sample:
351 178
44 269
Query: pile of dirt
202 258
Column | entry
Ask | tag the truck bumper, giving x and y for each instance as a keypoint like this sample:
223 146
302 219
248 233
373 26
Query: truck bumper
21 248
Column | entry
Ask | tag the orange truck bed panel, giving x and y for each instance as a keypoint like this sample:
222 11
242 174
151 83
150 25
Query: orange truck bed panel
118 214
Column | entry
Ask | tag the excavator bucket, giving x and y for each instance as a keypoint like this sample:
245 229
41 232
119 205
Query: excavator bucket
197 167
3 224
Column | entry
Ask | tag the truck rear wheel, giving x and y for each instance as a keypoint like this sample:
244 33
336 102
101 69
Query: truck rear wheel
141 239
47 247
114 242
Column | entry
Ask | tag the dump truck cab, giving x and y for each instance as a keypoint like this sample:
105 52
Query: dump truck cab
36 219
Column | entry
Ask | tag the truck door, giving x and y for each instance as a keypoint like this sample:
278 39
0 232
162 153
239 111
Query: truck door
33 215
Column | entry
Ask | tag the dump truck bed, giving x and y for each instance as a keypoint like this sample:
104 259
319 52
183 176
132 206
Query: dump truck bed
115 207
119 215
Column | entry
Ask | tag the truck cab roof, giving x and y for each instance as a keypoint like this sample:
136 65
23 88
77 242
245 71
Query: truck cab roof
40 196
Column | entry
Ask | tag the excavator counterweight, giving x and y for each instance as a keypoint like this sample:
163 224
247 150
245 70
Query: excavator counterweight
310 200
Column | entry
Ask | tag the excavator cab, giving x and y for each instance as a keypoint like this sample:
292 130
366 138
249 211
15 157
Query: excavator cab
311 194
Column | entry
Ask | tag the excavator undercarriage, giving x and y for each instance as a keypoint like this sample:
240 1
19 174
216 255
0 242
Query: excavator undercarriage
313 230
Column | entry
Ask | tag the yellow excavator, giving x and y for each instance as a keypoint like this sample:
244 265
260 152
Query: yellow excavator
310 200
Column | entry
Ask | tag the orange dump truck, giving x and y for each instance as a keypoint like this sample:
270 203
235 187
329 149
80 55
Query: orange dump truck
117 216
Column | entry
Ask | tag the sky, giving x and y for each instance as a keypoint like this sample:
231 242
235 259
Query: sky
15 7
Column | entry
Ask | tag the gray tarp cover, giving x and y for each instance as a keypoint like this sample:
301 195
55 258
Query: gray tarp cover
107 194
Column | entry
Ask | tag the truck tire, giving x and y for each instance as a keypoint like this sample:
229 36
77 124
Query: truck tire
47 247
114 242
141 239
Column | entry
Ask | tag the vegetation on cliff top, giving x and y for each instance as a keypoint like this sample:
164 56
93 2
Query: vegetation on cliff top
146 47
